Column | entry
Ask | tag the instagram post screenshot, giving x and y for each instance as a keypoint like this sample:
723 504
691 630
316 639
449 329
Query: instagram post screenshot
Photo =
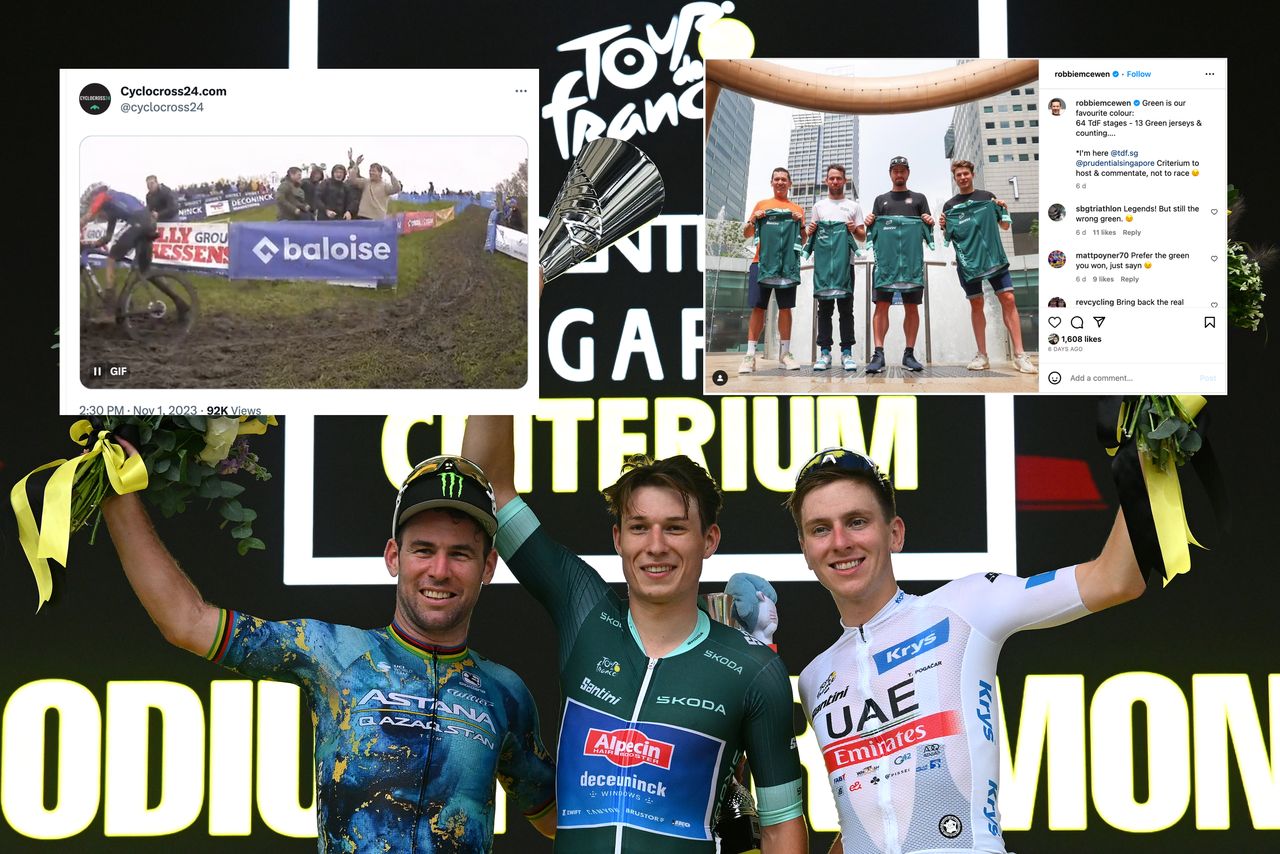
953 226
216 258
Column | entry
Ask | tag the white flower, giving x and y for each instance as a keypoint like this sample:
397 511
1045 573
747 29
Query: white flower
218 438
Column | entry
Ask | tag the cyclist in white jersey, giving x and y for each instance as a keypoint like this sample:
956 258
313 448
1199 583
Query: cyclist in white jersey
903 704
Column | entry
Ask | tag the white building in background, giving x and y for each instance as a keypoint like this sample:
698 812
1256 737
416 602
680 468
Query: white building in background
817 141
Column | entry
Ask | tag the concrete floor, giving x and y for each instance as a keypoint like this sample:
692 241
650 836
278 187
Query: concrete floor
770 378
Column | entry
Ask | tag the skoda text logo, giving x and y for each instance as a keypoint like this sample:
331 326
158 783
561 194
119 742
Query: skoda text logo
265 250
451 484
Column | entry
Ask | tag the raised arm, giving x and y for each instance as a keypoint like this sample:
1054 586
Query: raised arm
1114 577
172 601
489 442
790 837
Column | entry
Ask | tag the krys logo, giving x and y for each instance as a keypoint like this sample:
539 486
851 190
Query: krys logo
930 638
451 484
94 99
628 747
628 63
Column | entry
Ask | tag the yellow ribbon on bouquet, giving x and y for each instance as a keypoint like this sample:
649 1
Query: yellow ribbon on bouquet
49 540
1164 494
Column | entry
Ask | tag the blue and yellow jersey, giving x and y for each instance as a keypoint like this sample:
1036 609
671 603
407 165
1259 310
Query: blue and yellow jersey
409 738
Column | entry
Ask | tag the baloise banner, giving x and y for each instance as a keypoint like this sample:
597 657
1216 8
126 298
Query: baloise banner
364 249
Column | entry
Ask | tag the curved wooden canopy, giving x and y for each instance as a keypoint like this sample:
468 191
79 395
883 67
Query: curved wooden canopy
810 90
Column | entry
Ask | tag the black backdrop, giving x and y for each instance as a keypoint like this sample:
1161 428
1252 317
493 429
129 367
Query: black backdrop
1216 620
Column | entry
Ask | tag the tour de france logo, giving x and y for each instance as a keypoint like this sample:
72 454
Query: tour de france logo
94 99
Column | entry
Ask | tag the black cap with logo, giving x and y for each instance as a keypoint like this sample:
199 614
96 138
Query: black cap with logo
446 482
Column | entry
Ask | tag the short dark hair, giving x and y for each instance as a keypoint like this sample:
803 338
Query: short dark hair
1058 101
882 489
780 169
293 169
679 473
836 166
960 164
456 515
377 166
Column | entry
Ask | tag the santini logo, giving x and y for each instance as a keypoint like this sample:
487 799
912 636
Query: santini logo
934 636
323 249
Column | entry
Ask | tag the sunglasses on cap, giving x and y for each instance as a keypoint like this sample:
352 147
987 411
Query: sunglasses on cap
433 465
842 458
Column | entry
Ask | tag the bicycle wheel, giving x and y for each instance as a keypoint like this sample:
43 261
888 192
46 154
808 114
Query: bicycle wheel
158 306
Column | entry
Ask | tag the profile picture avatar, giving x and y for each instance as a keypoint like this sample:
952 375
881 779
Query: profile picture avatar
94 99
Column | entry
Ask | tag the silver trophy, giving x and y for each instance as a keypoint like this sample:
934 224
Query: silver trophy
612 189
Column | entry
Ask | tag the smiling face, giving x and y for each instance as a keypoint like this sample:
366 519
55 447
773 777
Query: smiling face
781 183
849 545
439 567
662 545
963 178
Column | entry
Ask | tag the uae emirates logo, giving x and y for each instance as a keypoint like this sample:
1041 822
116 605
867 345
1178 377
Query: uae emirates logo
451 484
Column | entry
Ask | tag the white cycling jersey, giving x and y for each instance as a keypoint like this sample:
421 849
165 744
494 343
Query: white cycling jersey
904 709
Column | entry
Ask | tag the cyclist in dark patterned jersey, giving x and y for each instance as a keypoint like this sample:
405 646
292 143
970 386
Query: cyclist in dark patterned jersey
903 703
660 702
100 201
412 726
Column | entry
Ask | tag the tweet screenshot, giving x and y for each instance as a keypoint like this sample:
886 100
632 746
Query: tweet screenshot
1135 232
242 242
965 226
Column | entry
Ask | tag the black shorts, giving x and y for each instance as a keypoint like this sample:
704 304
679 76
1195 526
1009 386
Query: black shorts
136 239
1000 281
912 297
758 294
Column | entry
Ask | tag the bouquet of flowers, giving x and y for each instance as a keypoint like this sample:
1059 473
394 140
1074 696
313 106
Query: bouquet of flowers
1164 427
180 459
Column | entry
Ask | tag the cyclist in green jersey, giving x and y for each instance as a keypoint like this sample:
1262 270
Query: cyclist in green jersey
660 702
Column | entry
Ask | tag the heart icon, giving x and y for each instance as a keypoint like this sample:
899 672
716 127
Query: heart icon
1214 211
1213 257
1055 322
1213 305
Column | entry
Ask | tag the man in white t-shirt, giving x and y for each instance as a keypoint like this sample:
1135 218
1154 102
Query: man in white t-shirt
903 703
836 207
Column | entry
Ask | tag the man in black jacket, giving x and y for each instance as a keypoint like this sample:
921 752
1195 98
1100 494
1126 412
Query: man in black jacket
335 196
311 188
161 201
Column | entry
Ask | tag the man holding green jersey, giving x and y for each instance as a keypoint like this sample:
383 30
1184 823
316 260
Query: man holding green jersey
974 216
660 702
906 222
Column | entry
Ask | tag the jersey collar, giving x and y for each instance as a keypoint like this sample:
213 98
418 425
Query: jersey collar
701 629
425 650
884 613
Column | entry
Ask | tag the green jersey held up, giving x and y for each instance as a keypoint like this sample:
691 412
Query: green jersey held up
899 243
974 228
